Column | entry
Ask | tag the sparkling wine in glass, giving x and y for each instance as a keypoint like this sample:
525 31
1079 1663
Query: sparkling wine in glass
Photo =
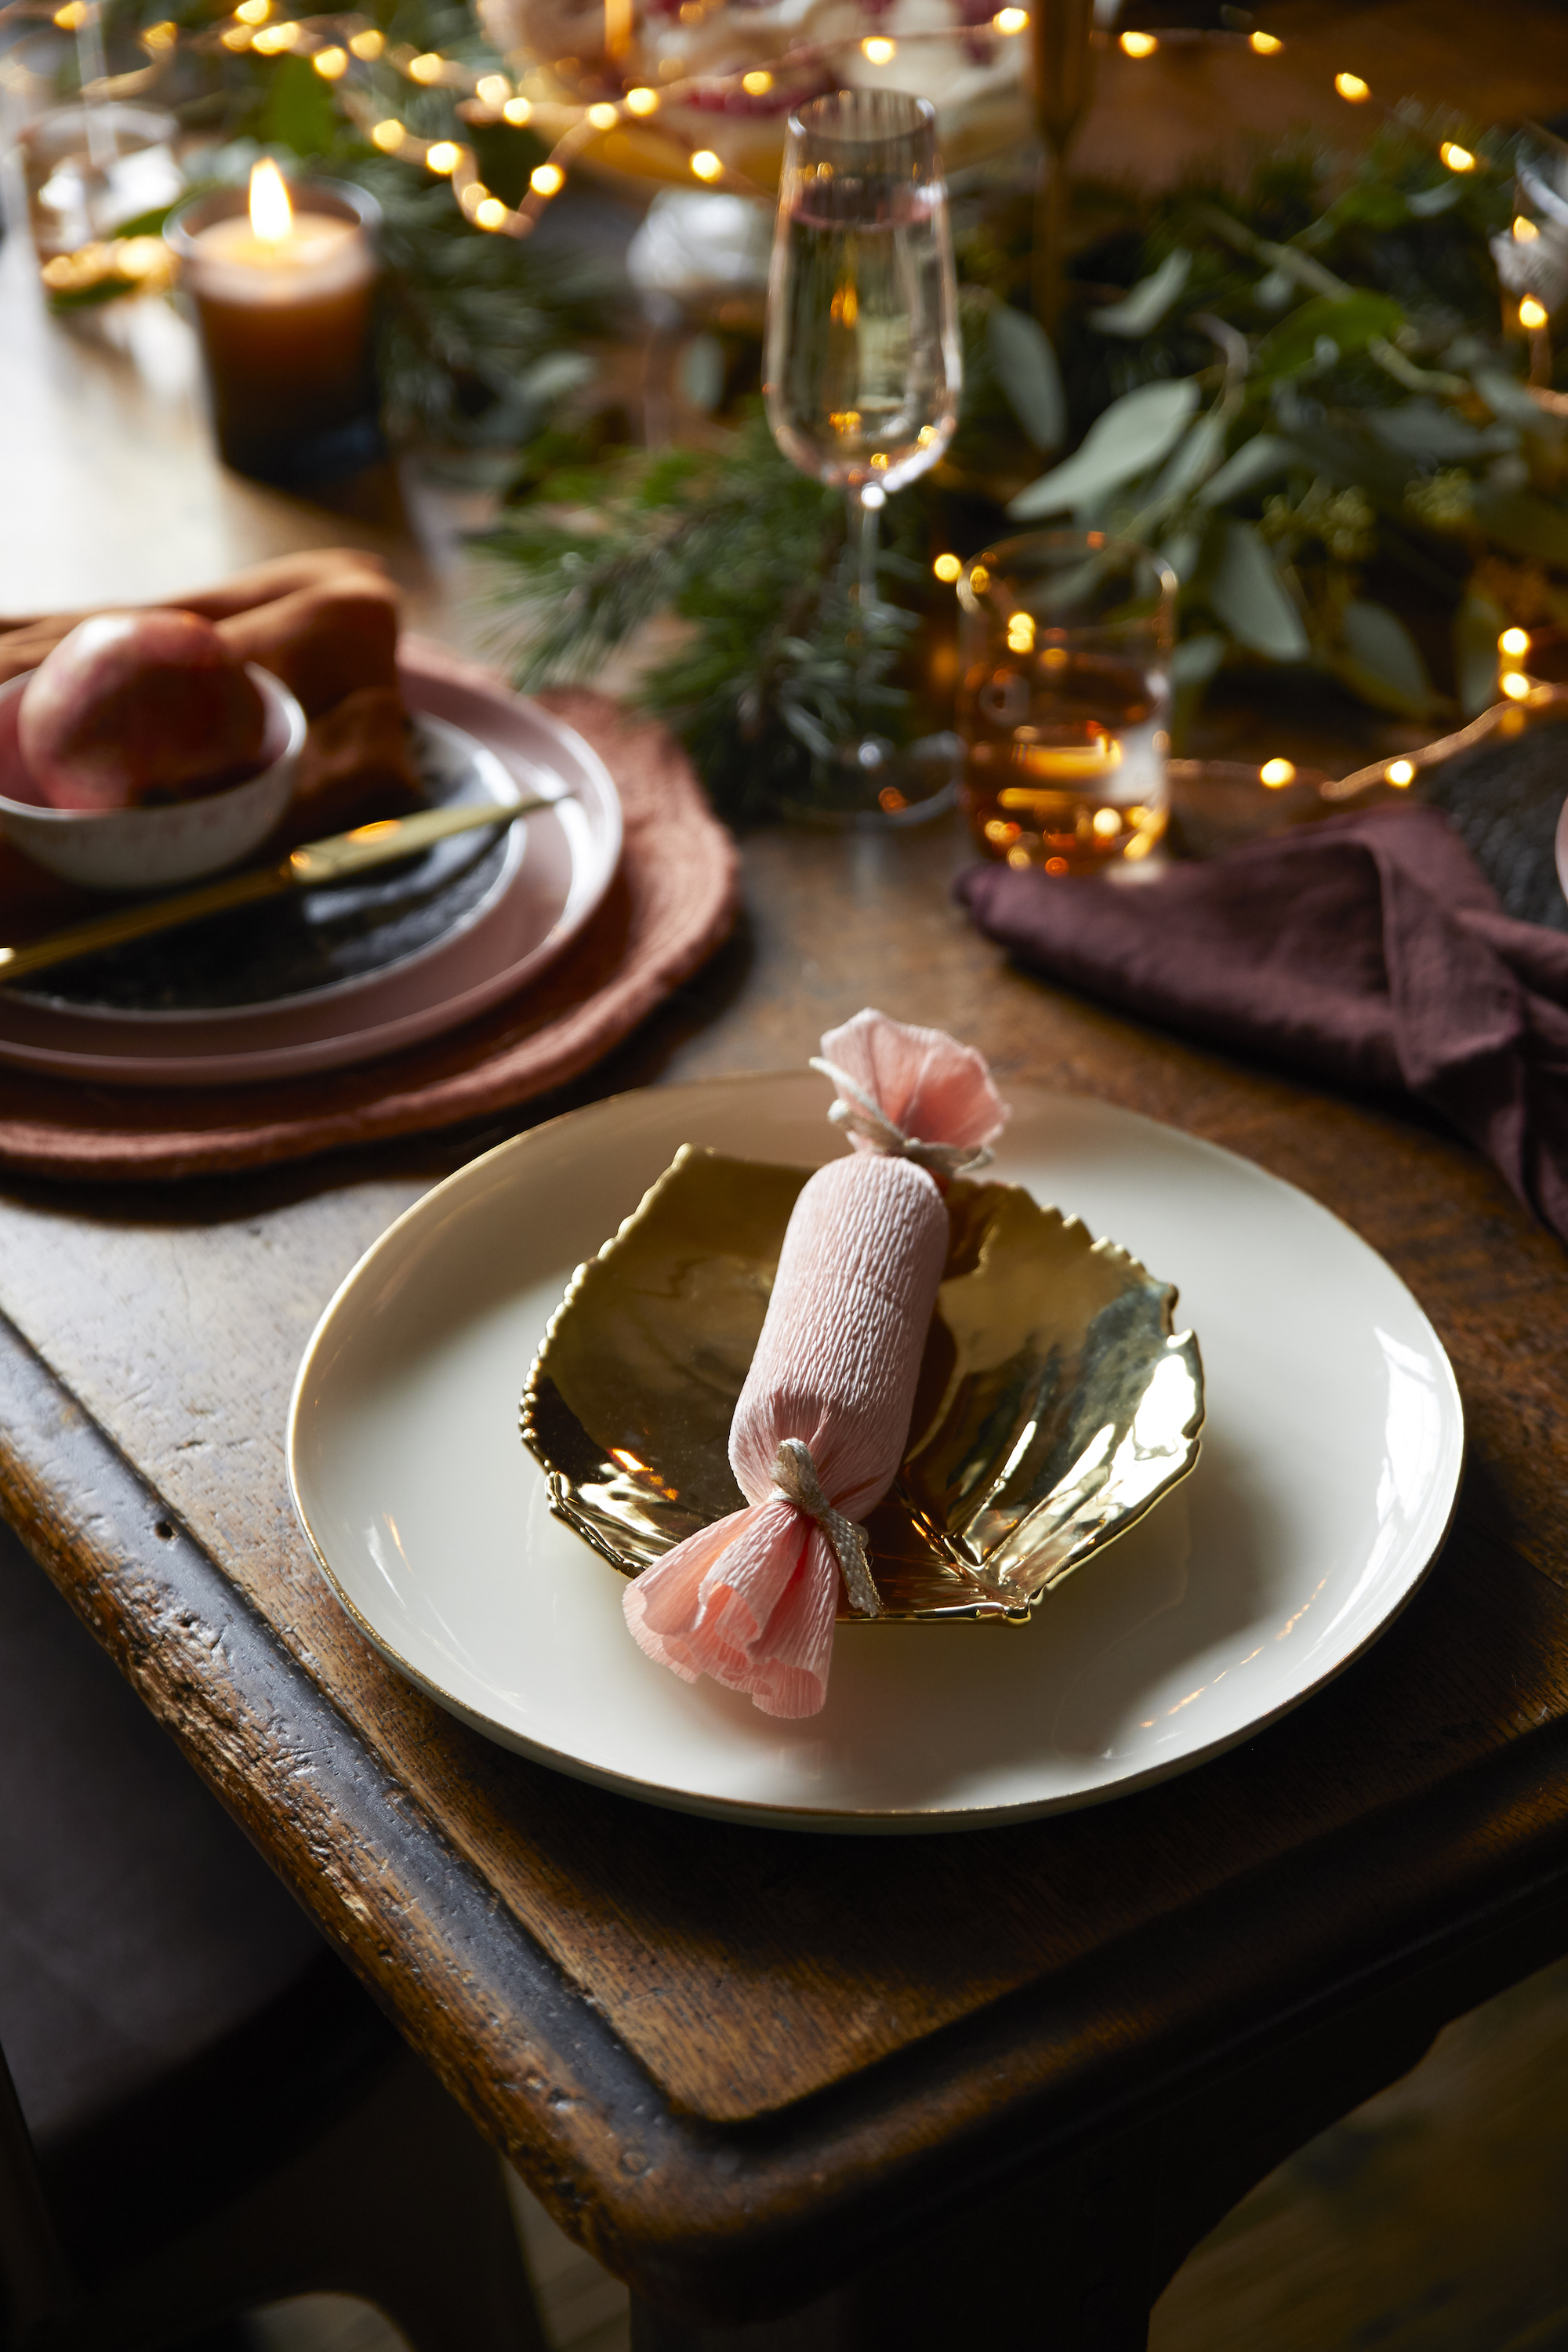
862 366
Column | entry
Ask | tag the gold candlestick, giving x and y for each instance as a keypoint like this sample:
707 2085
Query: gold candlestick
1064 81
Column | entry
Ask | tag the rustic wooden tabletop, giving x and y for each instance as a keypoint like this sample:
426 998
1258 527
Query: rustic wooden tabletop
756 2070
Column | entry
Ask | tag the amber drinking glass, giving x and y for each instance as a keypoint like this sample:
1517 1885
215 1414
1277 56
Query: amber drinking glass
1064 699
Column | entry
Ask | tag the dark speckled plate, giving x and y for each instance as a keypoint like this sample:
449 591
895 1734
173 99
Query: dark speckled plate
335 977
319 939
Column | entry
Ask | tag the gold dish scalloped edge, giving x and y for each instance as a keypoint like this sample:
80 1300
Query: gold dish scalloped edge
1056 1403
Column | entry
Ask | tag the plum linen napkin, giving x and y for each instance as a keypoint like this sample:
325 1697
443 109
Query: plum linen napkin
1367 949
821 1423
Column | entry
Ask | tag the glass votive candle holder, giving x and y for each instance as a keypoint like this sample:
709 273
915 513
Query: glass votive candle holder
282 284
1064 699
88 170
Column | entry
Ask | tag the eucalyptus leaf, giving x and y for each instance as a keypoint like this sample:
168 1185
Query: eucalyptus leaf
1478 624
1025 364
1184 551
1522 522
1142 309
1196 660
1262 459
1510 403
1192 460
1426 203
1380 645
1348 323
1244 591
1135 433
1425 429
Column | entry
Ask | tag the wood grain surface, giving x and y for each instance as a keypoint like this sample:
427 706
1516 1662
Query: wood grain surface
738 2055
744 2066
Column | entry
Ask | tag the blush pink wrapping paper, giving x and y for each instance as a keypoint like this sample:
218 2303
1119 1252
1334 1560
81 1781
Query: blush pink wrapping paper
752 1599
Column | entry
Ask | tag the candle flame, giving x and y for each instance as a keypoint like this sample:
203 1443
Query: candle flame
271 214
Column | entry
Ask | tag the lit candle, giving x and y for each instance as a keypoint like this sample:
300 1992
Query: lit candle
283 291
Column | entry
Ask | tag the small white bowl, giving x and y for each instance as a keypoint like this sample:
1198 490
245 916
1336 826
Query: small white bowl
151 848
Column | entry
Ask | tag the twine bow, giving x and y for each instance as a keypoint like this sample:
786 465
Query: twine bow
864 1116
794 1475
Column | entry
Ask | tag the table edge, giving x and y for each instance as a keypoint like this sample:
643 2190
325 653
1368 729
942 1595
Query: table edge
726 2222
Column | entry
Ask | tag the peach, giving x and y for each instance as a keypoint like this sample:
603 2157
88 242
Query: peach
134 707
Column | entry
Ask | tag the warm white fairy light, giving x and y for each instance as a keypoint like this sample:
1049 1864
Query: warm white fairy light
492 95
947 567
1515 643
1532 314
1524 230
1400 773
1277 774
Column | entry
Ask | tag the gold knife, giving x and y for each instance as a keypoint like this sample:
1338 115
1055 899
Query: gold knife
340 855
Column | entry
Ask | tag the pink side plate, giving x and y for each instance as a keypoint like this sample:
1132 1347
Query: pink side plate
550 891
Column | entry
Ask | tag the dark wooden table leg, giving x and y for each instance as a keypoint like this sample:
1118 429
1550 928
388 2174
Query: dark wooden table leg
1073 2258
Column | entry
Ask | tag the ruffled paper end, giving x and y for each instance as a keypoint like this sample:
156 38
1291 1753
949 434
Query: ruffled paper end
926 1082
749 1602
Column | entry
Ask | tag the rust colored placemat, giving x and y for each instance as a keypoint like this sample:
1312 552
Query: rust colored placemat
671 904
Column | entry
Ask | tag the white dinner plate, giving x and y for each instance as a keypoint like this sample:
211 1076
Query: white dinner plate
555 871
1331 1460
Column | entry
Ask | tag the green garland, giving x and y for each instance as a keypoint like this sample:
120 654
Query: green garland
1303 397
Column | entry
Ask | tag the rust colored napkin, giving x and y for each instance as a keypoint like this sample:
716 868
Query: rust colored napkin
326 623
1366 949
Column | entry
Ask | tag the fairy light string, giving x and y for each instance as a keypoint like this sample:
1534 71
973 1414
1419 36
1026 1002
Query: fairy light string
342 46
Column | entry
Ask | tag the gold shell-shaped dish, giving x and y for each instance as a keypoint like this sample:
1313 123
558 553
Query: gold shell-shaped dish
1054 1402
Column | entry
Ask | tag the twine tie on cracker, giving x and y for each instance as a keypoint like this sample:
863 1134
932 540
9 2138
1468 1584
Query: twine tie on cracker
794 1475
823 1419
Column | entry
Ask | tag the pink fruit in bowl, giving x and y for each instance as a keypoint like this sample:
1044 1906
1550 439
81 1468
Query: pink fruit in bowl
138 707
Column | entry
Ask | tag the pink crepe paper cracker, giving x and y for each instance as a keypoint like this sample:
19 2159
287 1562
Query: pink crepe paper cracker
822 1421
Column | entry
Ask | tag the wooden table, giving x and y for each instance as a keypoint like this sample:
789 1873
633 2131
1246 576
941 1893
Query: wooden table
984 2087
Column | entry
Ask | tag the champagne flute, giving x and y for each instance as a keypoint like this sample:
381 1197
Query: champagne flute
862 367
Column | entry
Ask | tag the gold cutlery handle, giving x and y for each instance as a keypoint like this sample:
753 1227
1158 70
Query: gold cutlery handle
137 922
334 859
344 854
